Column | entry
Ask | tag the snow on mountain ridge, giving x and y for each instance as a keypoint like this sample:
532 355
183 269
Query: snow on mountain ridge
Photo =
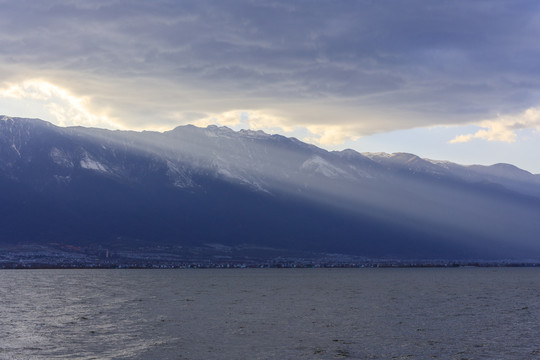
317 164
376 155
88 162
60 157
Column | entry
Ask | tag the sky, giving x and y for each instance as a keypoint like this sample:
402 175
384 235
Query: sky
450 80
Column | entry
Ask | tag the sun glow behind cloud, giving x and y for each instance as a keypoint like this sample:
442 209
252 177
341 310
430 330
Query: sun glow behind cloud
63 107
252 119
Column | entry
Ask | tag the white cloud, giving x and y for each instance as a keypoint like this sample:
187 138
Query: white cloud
503 128
66 108
252 119
330 134
462 138
228 118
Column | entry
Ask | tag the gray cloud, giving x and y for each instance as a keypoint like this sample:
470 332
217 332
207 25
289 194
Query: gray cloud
368 66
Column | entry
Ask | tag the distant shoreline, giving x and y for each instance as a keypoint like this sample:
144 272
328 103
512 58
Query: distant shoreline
385 265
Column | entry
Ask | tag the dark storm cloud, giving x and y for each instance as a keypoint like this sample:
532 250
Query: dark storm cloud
367 65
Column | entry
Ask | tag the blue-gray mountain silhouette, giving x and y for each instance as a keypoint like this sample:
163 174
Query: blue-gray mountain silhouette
192 186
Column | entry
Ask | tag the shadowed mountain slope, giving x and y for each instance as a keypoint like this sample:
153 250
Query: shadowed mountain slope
193 186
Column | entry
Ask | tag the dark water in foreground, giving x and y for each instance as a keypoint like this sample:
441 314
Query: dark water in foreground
463 313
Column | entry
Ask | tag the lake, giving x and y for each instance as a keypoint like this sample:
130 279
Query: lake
436 313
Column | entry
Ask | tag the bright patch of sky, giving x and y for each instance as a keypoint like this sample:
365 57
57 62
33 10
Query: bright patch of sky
434 143
41 99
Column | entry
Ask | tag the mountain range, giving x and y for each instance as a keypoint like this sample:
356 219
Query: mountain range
216 188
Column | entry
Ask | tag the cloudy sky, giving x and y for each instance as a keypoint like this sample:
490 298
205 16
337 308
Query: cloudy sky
455 80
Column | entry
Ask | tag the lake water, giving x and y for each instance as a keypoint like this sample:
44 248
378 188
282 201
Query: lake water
459 313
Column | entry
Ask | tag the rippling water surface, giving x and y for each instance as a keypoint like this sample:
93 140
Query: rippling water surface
463 313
